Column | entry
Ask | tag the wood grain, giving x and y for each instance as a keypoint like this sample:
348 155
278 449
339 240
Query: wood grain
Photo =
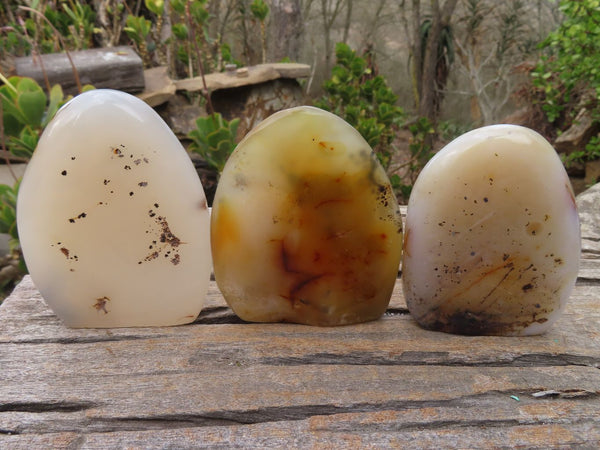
220 382
115 68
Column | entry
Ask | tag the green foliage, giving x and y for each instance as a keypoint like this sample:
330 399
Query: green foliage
138 28
590 153
155 6
364 100
259 9
26 111
81 24
73 20
214 139
421 151
8 213
572 60
8 225
449 130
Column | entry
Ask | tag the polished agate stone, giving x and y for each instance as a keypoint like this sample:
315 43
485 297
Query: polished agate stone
305 227
112 217
492 238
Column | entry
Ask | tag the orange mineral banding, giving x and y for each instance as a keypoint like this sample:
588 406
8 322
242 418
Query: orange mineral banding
305 225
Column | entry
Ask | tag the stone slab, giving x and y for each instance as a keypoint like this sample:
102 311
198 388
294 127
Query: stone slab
244 76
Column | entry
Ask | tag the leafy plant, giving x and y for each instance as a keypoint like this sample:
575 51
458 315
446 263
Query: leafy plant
39 27
570 67
589 153
421 151
81 27
13 264
8 213
26 111
214 139
364 100
138 29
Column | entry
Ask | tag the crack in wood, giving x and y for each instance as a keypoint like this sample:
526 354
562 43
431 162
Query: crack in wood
354 427
9 432
217 315
221 315
396 312
83 339
275 414
585 281
43 407
410 358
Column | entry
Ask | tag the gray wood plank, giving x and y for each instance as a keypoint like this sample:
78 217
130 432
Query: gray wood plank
222 383
116 68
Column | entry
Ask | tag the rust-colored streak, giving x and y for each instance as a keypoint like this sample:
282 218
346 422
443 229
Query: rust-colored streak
301 278
151 256
285 258
296 288
100 304
507 264
488 295
166 236
325 146
571 196
65 251
407 235
332 200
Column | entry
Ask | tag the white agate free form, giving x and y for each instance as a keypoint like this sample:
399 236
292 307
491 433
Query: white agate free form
305 227
492 240
112 217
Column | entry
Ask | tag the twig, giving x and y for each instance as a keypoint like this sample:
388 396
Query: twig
62 42
188 16
35 54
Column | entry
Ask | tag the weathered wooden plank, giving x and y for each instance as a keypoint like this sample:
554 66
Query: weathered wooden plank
221 382
116 68
395 339
391 340
510 425
428 398
220 395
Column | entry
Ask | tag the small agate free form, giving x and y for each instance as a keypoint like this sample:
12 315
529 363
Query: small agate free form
305 227
112 217
492 238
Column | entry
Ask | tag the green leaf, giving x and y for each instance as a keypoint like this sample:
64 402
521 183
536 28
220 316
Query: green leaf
31 100
155 6
214 139
57 98
180 31
9 96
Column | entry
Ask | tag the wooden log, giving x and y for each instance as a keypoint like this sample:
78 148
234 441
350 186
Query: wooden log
115 68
